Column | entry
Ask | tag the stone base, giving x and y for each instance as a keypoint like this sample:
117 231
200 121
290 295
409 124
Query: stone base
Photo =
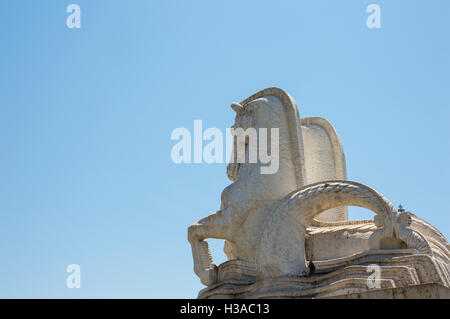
403 274
424 291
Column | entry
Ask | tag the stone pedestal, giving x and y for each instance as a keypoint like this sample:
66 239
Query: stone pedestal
404 273
424 291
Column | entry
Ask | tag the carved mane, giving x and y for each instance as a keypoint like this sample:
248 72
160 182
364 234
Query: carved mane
294 128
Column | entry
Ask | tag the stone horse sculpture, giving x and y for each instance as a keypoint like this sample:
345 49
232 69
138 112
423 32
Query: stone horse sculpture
264 218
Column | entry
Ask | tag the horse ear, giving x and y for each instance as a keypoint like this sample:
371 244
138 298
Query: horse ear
237 107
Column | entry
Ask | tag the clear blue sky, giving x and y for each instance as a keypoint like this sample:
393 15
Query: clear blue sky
86 116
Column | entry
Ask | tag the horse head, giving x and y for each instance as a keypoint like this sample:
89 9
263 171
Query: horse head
261 128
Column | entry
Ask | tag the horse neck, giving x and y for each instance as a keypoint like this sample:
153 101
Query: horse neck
286 169
276 119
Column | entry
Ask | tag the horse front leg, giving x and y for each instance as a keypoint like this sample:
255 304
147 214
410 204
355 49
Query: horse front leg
217 226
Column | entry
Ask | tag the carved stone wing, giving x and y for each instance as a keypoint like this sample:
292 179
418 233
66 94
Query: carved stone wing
324 159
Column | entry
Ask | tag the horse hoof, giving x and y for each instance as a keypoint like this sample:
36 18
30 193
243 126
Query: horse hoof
208 276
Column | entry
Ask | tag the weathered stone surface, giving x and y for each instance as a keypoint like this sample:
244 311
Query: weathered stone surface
274 225
425 291
332 278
